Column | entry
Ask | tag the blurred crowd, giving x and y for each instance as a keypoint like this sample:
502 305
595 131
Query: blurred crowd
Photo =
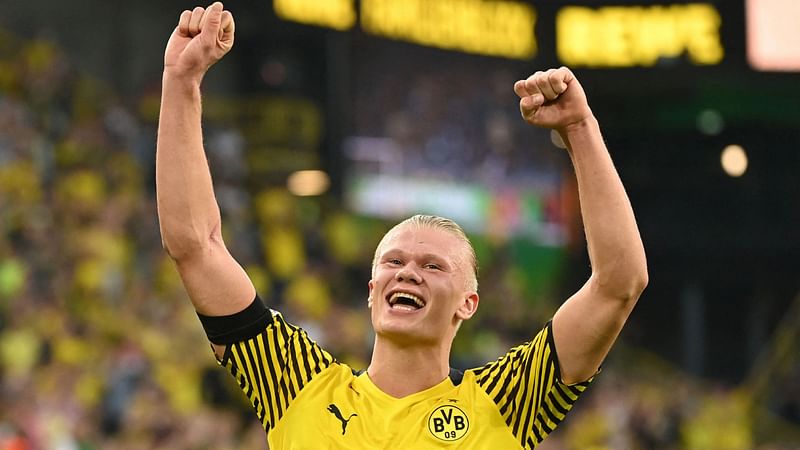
100 348
453 122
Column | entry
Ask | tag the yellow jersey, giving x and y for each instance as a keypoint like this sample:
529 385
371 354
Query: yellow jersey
306 399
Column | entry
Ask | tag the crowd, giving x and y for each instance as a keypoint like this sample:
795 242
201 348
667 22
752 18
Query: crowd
454 123
100 348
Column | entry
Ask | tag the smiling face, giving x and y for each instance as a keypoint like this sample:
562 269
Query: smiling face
421 285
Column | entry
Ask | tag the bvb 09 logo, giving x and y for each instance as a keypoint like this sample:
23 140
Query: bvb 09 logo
448 423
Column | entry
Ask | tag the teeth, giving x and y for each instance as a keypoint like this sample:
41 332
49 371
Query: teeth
404 307
396 295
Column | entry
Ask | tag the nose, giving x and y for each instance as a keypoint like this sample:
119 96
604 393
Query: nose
408 273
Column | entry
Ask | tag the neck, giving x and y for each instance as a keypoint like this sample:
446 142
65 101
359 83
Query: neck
402 370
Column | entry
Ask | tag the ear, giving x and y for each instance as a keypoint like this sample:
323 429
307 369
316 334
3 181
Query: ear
468 306
371 286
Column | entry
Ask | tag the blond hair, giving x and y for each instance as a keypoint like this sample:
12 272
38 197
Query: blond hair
436 223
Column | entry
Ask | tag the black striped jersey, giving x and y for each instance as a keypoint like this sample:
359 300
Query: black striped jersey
306 399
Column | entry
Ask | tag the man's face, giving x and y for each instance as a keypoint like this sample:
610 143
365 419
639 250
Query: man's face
419 285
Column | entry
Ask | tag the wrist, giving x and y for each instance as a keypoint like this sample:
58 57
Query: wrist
176 78
580 127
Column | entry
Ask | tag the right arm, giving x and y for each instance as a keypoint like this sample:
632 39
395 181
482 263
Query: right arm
188 214
270 359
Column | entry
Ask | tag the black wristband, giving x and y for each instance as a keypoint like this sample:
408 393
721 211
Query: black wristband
249 322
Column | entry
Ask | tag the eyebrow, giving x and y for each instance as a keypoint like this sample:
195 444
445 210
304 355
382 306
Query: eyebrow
424 256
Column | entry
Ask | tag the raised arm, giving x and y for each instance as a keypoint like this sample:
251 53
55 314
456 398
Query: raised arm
187 209
587 324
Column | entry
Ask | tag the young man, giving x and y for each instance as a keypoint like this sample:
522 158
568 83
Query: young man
423 286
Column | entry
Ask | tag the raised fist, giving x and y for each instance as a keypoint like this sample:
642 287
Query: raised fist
552 99
203 36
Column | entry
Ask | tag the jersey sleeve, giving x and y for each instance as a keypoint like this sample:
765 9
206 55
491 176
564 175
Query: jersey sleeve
271 359
525 386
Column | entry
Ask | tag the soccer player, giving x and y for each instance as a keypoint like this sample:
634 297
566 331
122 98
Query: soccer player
423 286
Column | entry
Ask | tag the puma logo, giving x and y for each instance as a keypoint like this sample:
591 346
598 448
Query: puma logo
333 409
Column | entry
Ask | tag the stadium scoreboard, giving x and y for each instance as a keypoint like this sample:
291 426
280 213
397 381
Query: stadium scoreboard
499 28
637 35
627 36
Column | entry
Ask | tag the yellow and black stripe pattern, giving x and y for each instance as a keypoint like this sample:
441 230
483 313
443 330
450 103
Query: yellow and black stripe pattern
274 366
526 387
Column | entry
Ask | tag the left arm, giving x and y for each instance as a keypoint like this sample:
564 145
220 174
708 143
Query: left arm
587 324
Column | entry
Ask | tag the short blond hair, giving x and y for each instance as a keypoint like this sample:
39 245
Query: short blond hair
436 223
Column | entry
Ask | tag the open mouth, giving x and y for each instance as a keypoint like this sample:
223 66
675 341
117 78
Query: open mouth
405 301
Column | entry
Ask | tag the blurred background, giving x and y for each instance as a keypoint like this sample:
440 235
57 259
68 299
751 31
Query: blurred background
330 121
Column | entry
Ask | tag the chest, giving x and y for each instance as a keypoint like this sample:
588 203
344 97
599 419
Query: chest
343 415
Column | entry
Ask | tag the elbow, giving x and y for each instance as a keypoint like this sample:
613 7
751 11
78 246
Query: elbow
188 244
626 286
182 249
639 284
640 276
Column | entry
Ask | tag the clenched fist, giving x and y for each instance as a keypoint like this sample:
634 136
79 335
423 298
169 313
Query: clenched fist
203 36
552 99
